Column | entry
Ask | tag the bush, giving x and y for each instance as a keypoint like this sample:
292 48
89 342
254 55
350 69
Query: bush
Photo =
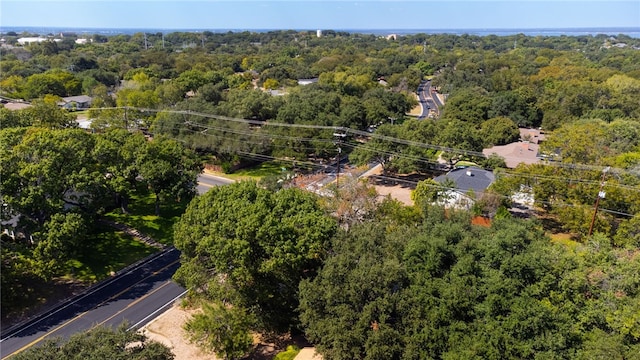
289 354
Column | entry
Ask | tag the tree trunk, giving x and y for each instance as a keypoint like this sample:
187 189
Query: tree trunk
157 204
124 204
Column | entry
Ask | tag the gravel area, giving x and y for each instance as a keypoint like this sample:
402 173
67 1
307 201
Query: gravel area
167 329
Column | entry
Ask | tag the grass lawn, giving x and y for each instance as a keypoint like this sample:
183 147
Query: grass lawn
142 217
109 252
259 171
465 163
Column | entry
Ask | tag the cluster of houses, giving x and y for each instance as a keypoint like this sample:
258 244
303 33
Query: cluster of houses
472 182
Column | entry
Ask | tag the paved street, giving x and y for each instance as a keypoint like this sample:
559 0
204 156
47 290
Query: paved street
207 181
135 296
427 100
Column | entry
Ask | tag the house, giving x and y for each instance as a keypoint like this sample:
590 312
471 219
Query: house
76 102
29 40
466 180
524 151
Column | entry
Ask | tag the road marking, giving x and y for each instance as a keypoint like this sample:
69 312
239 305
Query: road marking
158 310
130 287
132 304
207 185
45 335
92 291
48 333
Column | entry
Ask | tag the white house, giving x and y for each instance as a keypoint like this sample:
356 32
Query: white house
29 40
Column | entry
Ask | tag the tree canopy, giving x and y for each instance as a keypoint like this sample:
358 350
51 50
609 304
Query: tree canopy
100 343
249 247
447 289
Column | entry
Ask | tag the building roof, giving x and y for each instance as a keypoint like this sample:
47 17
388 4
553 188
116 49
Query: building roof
469 178
78 99
29 40
525 151
16 105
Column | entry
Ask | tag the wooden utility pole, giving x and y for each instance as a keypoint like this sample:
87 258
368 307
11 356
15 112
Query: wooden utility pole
601 194
339 136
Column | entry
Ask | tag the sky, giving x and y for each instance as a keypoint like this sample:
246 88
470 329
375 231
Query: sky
328 14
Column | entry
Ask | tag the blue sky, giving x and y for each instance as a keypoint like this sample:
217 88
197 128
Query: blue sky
328 14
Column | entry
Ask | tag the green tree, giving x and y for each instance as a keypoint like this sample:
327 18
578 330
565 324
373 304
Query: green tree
100 343
45 113
116 151
61 239
169 169
499 131
351 309
47 170
221 329
249 247
582 142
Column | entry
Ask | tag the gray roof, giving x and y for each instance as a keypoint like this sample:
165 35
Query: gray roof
79 99
469 178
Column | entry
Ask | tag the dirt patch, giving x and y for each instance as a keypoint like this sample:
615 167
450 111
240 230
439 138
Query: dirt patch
398 187
396 192
168 329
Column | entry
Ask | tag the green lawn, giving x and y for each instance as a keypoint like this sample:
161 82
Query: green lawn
142 217
462 163
108 252
259 171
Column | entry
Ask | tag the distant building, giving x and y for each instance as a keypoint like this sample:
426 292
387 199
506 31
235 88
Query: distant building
392 37
76 102
16 105
276 92
319 33
29 40
526 151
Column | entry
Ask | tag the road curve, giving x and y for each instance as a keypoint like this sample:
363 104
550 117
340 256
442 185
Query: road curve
207 181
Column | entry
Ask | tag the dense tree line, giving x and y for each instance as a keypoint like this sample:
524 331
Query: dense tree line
380 281
57 180
397 282
492 82
442 289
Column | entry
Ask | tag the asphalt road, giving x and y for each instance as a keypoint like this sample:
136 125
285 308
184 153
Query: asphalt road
207 181
136 296
427 101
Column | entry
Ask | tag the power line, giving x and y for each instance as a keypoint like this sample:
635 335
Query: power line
361 133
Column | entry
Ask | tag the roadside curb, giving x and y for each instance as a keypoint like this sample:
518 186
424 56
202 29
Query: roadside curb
11 331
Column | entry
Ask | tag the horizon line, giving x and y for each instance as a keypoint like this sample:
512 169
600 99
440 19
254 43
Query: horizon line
319 28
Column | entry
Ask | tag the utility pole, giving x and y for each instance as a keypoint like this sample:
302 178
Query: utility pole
601 194
126 120
339 136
